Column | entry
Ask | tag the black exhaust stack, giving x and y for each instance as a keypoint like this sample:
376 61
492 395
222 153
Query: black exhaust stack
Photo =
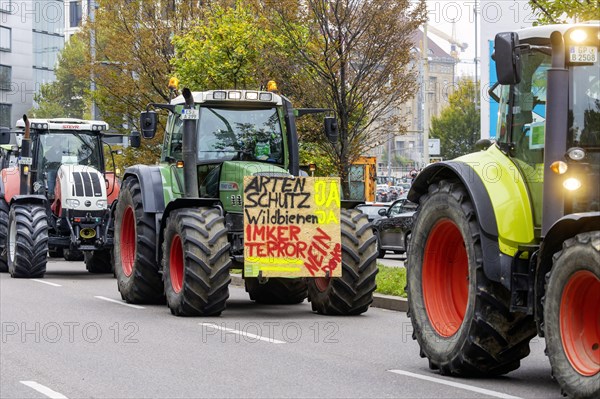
190 148
25 153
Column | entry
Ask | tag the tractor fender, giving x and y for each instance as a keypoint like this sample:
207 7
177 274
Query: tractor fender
179 203
497 266
151 185
39 199
564 228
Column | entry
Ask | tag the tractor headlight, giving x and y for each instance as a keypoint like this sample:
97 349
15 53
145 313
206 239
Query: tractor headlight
572 184
101 203
576 153
72 203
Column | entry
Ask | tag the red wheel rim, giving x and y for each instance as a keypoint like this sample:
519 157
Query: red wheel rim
445 278
128 242
580 322
322 283
176 264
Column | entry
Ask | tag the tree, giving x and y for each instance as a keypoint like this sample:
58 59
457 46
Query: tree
358 54
551 11
458 126
65 97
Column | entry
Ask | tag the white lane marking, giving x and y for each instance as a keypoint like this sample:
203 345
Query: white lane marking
43 390
46 282
455 384
119 302
243 333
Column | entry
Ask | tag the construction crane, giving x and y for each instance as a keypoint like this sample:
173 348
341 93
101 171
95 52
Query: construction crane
454 43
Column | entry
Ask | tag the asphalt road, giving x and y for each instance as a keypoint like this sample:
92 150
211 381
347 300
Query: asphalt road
70 335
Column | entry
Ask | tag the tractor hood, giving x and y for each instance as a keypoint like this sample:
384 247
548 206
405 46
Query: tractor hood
80 188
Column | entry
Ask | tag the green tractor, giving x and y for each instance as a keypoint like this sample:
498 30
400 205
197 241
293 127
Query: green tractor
506 242
179 225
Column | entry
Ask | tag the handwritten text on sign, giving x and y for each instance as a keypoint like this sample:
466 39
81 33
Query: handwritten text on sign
292 227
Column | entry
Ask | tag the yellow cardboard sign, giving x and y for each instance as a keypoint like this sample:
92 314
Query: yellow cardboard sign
292 226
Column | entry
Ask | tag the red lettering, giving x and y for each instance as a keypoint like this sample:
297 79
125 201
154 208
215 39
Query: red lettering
281 230
271 233
294 231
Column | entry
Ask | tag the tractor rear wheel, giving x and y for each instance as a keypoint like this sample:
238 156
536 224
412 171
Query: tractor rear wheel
27 240
460 318
196 262
136 269
277 291
4 209
72 255
572 317
100 261
352 293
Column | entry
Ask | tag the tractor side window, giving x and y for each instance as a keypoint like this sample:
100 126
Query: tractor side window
175 146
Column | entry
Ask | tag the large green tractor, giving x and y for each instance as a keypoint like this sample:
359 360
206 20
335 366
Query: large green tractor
179 225
506 242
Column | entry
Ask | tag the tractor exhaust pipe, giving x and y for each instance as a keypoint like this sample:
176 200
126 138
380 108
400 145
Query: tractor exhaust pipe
190 149
25 153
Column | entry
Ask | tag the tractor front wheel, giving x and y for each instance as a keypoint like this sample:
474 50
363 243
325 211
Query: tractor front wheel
460 318
4 209
277 291
572 316
196 262
352 293
27 240
136 269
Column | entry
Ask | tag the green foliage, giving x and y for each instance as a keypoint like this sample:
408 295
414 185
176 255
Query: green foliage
223 52
391 280
458 126
552 11
65 96
310 152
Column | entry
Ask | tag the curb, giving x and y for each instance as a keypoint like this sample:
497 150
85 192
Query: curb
380 301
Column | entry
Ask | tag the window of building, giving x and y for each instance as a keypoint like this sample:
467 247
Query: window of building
5 39
5 6
75 13
5 77
5 115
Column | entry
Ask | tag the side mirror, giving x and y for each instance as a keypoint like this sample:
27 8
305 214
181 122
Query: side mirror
508 58
483 144
331 129
382 212
134 139
4 136
148 122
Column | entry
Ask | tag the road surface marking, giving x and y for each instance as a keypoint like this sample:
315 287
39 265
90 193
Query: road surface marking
455 384
46 282
243 333
43 390
119 302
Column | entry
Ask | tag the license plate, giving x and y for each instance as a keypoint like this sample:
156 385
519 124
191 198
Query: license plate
190 113
583 54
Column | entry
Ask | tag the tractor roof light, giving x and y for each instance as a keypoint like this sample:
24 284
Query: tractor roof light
219 95
173 83
251 95
572 184
578 35
266 97
271 86
235 95
559 167
576 153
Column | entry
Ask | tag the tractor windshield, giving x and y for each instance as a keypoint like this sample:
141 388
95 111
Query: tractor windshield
227 134
57 148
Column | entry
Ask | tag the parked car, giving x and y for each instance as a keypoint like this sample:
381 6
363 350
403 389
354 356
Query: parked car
372 210
393 229
383 193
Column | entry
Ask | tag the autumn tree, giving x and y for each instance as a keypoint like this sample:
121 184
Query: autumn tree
554 12
458 126
358 54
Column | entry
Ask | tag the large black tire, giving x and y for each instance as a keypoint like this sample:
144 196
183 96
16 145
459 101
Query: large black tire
277 291
196 262
72 255
572 316
136 269
460 318
352 293
3 235
100 261
56 252
27 240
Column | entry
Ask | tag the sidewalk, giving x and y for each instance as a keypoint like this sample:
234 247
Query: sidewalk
381 301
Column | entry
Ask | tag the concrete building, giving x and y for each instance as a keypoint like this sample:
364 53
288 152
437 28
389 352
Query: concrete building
31 36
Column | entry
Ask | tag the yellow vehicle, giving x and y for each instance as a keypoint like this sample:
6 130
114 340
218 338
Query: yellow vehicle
363 179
